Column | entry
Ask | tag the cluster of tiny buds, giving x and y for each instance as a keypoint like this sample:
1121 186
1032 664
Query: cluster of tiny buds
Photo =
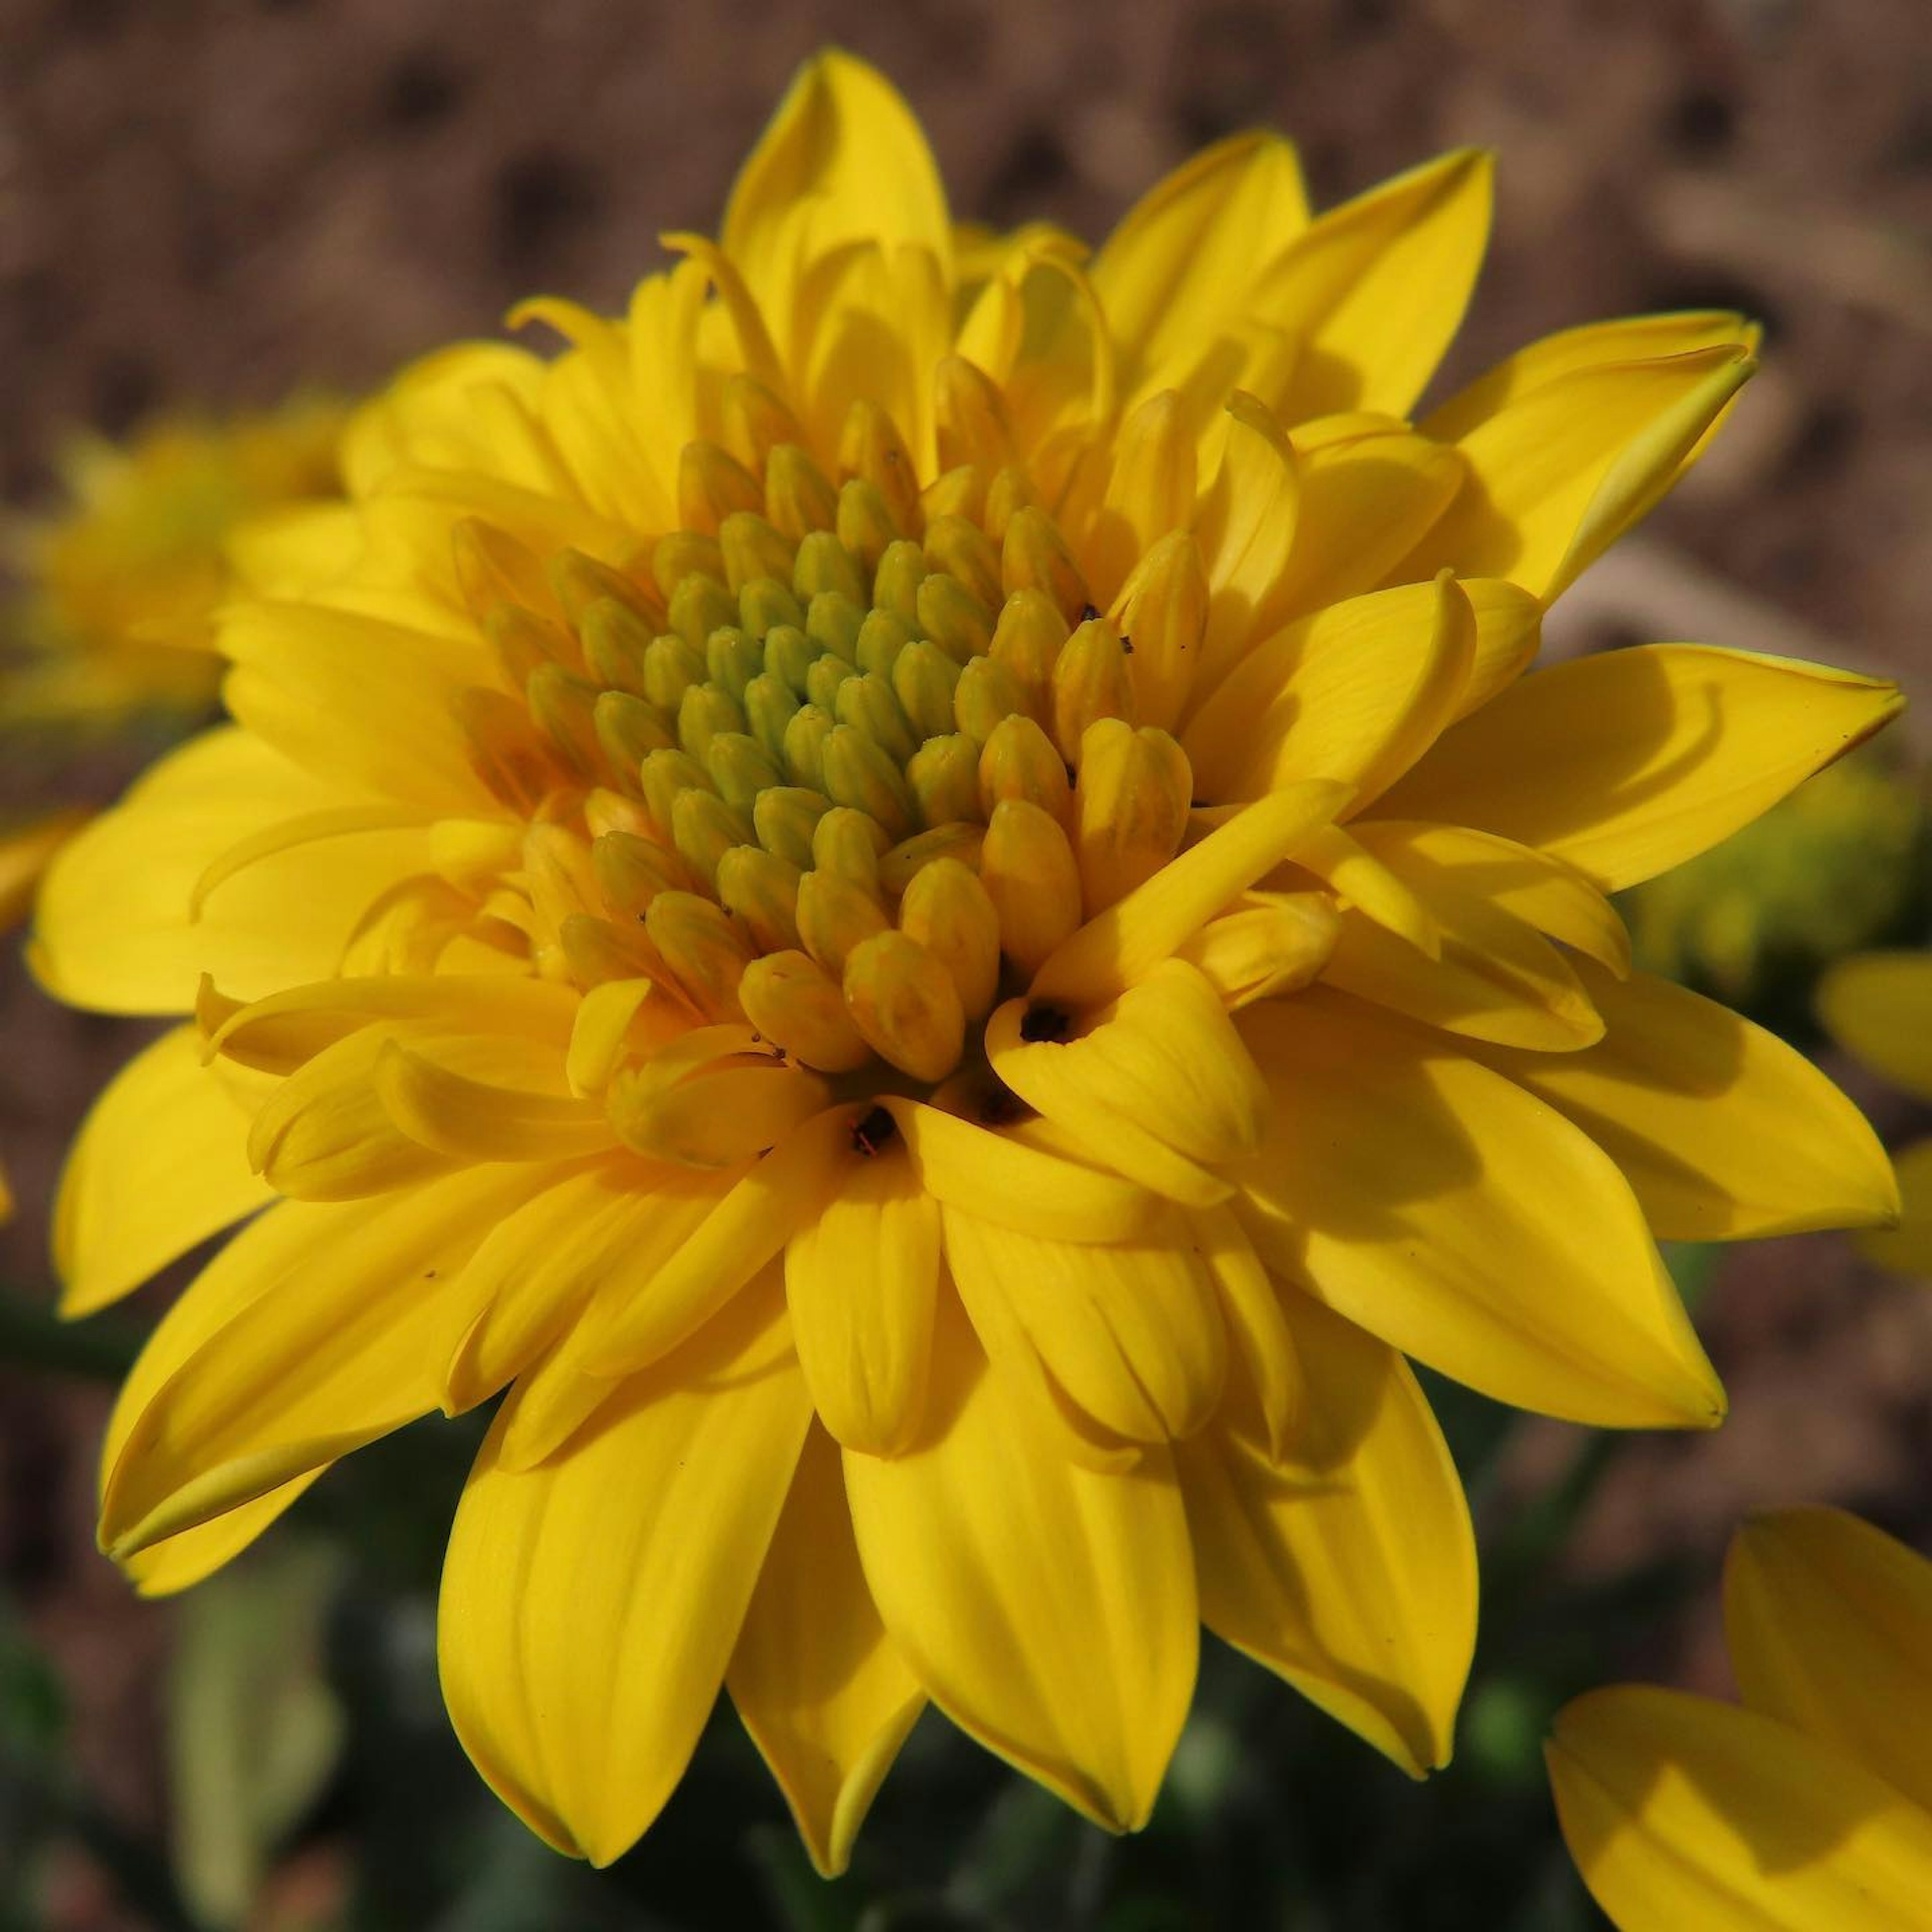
835 761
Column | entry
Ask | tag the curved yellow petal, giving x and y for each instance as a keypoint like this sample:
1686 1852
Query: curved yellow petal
1561 471
1348 1563
1723 1131
180 1562
1181 268
1049 1610
862 1281
1631 762
326 1326
827 1700
590 1606
1133 1335
159 1164
1355 694
1487 1237
845 147
1680 1812
1596 345
1120 944
1376 290
112 930
1879 1006
1829 1625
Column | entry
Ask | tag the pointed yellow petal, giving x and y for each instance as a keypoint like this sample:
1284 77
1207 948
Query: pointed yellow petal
589 1606
1680 1812
1723 1132
1251 1304
112 932
180 1562
1559 472
1643 338
1133 1335
340 1339
1376 288
1879 1006
844 144
1355 694
1349 1565
1487 1237
826 1698
862 1281
1181 268
1122 943
1048 1610
160 1163
484 1120
1829 1624
1631 762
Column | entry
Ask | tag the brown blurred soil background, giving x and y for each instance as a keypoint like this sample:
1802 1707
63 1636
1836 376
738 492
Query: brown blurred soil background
214 200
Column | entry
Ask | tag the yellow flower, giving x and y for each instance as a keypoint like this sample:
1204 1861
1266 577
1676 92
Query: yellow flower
1879 1006
1810 1806
916 892
122 586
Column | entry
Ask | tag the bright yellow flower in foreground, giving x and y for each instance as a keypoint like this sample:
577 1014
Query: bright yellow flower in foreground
122 585
1879 1006
916 892
1809 1808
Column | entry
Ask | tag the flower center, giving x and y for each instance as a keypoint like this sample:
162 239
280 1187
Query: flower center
851 761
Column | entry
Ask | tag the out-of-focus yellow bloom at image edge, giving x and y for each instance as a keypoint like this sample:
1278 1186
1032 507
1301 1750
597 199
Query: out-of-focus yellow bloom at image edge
921 898
1879 1006
120 585
1809 1807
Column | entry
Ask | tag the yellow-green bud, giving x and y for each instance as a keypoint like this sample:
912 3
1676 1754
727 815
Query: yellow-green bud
765 601
752 549
1027 868
825 567
944 775
951 914
760 892
858 772
904 1004
957 546
1019 761
783 818
711 484
707 954
795 1003
699 605
835 914
1090 681
954 618
799 499
1130 808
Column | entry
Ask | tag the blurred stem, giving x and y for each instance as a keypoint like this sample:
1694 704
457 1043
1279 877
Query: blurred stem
35 1337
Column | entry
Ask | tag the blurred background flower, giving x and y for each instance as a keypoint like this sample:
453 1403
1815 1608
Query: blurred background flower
214 204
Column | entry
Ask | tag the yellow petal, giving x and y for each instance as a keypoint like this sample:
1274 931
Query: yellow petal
1879 1006
1355 694
1680 1812
1544 892
1123 942
1133 1335
179 1562
749 1226
1723 1132
862 1281
1486 1236
845 144
341 1338
1251 1304
827 1700
1829 1624
1376 288
1643 338
1349 1565
1559 473
1181 268
484 1120
1245 527
1158 1086
25 853
963 1165
1631 762
1048 1610
111 929
602 1232
159 1164
590 1606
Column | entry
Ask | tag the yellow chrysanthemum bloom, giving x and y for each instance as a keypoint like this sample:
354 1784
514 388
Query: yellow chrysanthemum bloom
1810 1806
916 893
120 587
1879 1006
